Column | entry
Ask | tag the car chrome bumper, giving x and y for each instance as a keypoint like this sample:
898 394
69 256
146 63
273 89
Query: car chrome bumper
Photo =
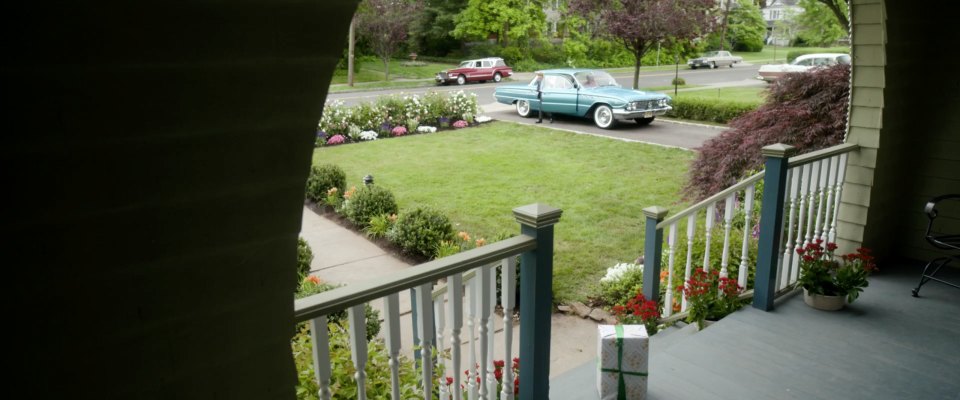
624 115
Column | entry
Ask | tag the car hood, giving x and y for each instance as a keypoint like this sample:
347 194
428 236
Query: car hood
622 93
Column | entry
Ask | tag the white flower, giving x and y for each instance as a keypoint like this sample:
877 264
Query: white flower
368 135
616 272
483 118
426 129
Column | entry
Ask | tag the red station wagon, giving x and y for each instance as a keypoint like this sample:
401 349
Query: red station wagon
482 70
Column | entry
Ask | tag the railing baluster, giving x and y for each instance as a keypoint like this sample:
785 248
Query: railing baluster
747 229
727 218
455 304
358 346
801 196
708 228
438 309
671 247
391 305
483 275
425 322
691 228
793 176
491 375
321 355
508 282
472 334
812 194
841 172
821 188
829 209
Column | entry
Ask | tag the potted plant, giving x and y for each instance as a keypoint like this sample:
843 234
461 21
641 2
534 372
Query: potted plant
710 296
829 282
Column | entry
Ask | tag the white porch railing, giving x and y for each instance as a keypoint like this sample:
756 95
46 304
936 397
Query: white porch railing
811 193
441 315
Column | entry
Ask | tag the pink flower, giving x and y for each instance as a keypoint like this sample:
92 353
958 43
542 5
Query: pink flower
336 139
399 131
460 124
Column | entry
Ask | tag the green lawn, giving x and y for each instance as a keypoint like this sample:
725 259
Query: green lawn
478 175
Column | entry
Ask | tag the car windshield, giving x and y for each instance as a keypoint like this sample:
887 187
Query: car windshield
595 79
465 64
710 54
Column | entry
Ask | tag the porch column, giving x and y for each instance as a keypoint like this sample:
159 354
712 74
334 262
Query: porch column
771 221
652 251
536 292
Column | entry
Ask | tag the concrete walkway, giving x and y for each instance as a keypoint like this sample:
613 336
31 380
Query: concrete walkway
341 256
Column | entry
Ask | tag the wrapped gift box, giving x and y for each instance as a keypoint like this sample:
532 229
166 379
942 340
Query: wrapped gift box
622 352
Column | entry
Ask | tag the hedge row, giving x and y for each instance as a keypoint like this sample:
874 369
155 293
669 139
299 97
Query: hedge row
709 110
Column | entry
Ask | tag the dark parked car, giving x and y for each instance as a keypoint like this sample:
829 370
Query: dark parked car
480 70
585 93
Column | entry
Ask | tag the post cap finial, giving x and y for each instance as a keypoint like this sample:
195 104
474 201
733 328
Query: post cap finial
537 215
655 212
778 150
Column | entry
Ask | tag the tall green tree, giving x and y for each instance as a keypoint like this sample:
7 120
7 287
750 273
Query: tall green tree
746 28
818 24
507 20
841 10
432 33
640 24
385 23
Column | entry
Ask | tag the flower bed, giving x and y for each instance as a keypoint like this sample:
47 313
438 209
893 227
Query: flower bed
393 116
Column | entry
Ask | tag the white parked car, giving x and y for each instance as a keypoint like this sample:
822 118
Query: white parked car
807 62
713 59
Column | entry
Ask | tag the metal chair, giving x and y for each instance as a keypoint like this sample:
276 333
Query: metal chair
943 241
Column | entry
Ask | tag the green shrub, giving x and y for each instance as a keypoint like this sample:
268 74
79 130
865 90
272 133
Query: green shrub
380 225
368 202
342 382
421 231
709 110
678 81
322 178
304 258
618 288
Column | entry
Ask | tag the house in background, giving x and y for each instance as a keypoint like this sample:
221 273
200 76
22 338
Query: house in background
777 11
155 163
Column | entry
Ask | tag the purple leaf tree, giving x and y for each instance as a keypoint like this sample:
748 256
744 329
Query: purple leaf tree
640 24
385 23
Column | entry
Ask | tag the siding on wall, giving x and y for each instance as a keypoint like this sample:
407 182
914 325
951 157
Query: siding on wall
915 119
866 118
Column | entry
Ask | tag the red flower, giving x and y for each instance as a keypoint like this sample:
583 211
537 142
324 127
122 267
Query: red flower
449 380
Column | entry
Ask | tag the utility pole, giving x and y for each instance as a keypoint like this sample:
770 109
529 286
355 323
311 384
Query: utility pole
350 54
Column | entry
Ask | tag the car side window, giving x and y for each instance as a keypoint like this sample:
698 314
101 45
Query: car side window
558 82
806 62
486 64
500 63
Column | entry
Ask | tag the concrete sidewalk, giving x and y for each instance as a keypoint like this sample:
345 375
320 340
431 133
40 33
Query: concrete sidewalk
342 256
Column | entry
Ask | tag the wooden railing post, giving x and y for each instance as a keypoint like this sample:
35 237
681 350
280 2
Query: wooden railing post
536 290
771 221
652 249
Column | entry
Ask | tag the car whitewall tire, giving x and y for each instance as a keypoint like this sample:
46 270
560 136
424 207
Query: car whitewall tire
603 117
497 77
461 80
523 108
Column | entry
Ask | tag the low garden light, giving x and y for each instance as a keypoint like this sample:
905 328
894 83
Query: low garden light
368 180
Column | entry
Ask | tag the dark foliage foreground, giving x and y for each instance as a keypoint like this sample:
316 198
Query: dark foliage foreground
805 110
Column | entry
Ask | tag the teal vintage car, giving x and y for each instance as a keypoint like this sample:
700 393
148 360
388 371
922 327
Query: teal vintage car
584 93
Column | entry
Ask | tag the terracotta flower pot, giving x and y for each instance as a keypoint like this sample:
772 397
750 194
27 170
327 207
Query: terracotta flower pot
824 302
